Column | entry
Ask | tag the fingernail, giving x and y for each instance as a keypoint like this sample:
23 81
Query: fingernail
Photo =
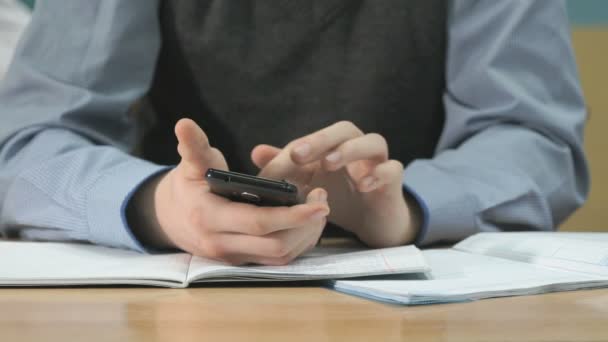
368 182
333 157
322 197
302 150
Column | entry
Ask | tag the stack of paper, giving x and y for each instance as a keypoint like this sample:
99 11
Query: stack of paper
495 265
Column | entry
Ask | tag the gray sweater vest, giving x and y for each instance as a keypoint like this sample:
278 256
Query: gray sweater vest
270 71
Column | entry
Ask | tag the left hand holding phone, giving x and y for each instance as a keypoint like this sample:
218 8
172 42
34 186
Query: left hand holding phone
178 210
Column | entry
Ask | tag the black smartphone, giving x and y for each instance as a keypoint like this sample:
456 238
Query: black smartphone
251 189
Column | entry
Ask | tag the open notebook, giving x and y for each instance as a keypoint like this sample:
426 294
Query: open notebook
496 265
44 264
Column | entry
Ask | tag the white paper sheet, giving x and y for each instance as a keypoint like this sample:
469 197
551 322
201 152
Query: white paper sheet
585 253
323 263
39 263
513 264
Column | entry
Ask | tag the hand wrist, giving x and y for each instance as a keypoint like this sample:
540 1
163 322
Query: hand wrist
142 214
415 216
403 230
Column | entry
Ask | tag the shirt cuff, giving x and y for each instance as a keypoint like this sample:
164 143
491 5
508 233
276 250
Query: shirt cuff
448 210
107 202
424 212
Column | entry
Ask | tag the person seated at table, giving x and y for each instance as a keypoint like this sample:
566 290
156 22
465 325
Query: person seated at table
400 121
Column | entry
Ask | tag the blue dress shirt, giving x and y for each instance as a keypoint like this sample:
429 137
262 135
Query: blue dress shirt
509 158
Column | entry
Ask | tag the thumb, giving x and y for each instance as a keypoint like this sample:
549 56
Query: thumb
193 147
264 154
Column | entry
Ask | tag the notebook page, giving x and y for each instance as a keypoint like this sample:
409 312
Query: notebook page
459 276
321 263
573 252
588 236
43 263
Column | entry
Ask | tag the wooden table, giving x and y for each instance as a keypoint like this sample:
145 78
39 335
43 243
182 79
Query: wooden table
289 314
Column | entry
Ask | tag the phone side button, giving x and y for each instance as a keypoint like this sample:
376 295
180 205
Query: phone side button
249 197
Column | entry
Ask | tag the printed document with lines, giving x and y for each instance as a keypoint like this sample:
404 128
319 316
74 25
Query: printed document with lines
60 264
495 265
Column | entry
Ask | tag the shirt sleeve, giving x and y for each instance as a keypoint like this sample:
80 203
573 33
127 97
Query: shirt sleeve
65 132
510 156
13 18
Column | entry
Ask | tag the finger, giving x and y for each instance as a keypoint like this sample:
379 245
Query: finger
239 248
313 239
217 160
193 147
299 240
277 248
371 146
313 233
314 146
387 173
263 154
302 247
252 220
283 167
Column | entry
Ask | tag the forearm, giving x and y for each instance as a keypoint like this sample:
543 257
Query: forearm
65 131
56 185
142 215
506 178
511 153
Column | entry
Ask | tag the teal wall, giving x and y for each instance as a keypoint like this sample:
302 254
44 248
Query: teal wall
582 12
30 3
587 12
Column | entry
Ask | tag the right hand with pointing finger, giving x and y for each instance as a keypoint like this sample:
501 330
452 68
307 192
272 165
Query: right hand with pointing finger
178 210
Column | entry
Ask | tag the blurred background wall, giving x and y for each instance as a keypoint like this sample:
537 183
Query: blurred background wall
590 38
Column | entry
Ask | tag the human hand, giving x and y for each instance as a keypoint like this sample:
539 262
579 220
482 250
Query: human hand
365 188
186 215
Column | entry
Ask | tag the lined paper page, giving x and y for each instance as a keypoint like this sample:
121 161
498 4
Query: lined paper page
322 263
460 276
42 263
574 252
